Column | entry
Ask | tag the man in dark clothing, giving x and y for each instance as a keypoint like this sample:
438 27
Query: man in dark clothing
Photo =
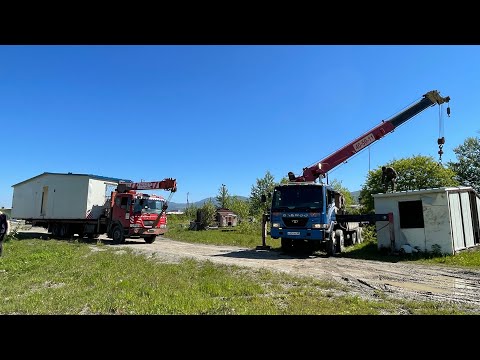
389 177
3 229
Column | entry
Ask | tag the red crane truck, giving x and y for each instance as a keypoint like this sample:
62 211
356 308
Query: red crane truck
83 204
136 214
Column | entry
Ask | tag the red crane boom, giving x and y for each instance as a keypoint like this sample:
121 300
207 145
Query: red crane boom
386 126
168 184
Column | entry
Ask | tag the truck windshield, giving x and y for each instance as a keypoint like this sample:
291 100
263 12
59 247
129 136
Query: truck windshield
148 206
301 197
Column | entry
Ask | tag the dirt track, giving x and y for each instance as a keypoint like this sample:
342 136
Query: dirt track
365 278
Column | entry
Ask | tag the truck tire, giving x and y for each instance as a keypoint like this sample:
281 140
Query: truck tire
331 246
150 239
354 237
64 231
55 230
339 241
351 237
117 235
287 245
359 235
314 245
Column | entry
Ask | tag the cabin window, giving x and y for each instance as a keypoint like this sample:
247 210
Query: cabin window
411 214
124 203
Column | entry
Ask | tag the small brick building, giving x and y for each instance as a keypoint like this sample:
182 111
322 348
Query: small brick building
226 217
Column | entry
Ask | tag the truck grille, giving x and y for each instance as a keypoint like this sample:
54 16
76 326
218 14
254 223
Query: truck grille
295 222
148 222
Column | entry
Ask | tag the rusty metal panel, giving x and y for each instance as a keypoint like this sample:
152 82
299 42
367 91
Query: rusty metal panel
467 219
457 223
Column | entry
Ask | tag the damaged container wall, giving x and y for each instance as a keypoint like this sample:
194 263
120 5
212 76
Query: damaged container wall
433 220
96 200
418 217
437 230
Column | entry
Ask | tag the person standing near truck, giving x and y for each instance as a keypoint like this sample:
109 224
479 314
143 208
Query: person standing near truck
389 177
3 229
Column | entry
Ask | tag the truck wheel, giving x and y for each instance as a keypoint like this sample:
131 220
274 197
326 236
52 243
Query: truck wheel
353 237
331 246
314 245
117 235
359 236
150 239
63 232
339 241
287 245
55 230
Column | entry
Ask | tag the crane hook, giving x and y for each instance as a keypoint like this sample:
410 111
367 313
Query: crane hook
440 142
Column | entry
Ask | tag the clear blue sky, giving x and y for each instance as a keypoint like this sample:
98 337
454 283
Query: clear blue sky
213 115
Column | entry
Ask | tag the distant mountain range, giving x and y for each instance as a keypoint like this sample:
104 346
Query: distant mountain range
355 195
173 206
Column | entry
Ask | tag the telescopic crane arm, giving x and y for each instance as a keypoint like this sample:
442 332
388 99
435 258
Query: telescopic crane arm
167 184
386 126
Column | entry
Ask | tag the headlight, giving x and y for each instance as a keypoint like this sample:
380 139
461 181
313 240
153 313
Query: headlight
320 226
275 225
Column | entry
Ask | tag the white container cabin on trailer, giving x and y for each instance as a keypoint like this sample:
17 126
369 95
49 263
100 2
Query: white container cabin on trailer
62 196
442 219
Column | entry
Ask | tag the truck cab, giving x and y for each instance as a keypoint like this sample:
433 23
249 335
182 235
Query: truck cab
136 214
301 211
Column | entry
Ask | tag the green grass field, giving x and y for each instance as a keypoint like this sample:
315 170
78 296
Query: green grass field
71 277
68 277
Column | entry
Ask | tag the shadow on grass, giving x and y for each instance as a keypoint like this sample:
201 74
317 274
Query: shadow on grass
273 254
126 242
25 235
366 251
369 251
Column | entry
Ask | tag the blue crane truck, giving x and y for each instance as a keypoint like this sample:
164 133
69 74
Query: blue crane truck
306 212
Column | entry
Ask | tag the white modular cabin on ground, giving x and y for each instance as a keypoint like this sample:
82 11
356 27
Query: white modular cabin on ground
442 220
62 196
